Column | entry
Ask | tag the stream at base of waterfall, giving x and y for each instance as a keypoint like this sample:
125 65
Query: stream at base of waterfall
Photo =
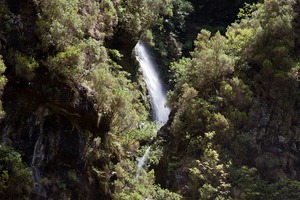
157 92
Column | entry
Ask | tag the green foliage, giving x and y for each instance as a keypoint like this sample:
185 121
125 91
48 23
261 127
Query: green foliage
248 186
264 38
246 11
115 54
244 144
205 74
135 16
147 37
266 32
5 15
68 62
285 86
219 123
180 9
180 74
289 190
110 16
63 23
118 98
69 38
25 66
203 89
170 35
72 175
214 90
3 81
209 64
241 95
128 187
144 132
208 176
15 181
59 23
80 60
2 70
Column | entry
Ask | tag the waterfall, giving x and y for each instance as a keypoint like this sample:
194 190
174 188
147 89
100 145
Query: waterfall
37 158
157 92
142 163
154 83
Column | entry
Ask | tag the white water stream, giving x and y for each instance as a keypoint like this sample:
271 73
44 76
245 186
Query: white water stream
154 84
157 92
37 158
142 163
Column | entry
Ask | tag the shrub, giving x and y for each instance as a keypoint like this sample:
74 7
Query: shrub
59 24
128 187
15 181
25 66
3 81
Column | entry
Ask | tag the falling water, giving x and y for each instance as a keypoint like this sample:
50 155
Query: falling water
154 84
38 155
142 163
156 90
37 159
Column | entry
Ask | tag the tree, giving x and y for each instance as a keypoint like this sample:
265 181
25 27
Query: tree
15 181
3 81
137 16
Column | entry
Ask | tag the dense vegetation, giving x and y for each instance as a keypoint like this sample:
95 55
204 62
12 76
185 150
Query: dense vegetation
234 101
75 115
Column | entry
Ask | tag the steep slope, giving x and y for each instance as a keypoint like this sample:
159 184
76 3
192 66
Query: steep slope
234 127
52 118
70 110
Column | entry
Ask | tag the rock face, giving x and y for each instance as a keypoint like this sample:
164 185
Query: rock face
276 135
55 125
124 44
